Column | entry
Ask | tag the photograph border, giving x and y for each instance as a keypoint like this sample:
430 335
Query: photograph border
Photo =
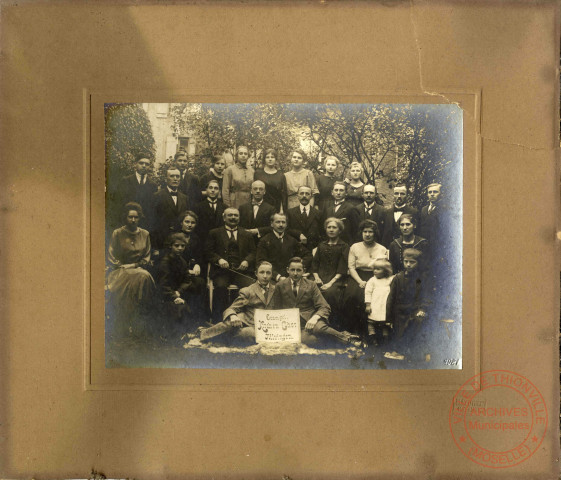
97 377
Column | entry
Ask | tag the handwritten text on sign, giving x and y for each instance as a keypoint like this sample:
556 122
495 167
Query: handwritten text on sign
277 325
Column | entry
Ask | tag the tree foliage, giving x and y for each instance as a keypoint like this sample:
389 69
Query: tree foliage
223 127
411 144
128 132
407 143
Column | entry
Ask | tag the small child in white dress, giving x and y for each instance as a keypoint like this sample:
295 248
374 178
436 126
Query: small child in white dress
376 294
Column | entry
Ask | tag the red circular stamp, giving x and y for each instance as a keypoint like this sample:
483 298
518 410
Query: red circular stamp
498 419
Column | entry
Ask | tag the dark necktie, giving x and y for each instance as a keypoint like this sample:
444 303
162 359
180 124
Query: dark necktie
173 194
142 179
231 234
213 205
295 289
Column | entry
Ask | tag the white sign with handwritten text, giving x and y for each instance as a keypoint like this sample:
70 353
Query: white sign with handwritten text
274 326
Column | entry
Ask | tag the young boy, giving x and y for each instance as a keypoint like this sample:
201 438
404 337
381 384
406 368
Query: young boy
408 302
238 318
304 294
175 285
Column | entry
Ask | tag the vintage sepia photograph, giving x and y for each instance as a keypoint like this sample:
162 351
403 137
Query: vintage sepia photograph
283 236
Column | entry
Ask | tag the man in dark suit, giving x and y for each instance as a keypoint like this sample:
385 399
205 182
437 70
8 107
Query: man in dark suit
167 204
189 184
429 226
277 247
391 229
255 216
299 292
304 220
210 211
133 188
238 317
341 209
230 250
369 210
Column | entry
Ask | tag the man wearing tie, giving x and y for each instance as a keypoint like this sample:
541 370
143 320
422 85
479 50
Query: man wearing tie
167 204
209 211
430 215
391 229
134 188
299 292
255 216
189 183
339 208
238 318
277 247
304 220
231 252
369 210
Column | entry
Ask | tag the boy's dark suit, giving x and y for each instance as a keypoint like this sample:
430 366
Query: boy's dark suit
164 215
189 185
391 227
271 249
309 301
359 213
342 213
261 221
308 225
209 219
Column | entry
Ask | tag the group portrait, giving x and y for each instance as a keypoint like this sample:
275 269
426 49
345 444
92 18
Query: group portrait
321 236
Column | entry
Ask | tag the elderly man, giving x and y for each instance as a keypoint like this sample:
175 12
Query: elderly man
299 292
231 252
391 229
369 210
167 204
255 216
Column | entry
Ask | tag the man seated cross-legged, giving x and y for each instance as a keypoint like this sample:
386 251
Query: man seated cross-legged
299 292
238 320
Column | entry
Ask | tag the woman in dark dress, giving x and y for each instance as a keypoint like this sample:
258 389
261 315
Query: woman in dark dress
274 180
325 182
215 173
329 266
355 185
130 285
193 256
408 239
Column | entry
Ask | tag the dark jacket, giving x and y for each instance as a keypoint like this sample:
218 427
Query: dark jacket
271 249
262 220
391 228
216 246
358 214
164 215
208 218
343 213
309 226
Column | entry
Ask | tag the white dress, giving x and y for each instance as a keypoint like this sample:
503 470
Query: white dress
376 293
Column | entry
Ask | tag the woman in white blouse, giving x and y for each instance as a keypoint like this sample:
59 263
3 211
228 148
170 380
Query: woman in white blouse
361 255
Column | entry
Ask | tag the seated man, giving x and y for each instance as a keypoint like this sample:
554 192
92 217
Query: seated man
238 318
298 292
277 247
231 252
